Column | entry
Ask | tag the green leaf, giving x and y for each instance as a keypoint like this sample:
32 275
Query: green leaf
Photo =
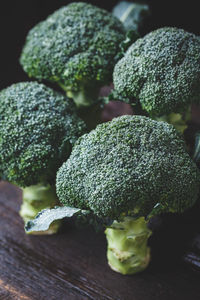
131 14
44 219
196 155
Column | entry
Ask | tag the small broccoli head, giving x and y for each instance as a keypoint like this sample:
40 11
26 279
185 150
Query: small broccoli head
76 46
131 164
38 127
162 71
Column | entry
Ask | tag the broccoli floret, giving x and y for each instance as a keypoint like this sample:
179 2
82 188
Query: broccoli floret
162 71
38 127
131 163
128 169
77 48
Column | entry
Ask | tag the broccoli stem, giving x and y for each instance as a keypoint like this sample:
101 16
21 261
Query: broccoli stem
36 198
127 251
86 96
89 109
86 99
179 120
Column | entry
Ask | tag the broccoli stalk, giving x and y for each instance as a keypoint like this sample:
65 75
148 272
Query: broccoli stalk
36 198
127 250
178 120
124 172
89 106
85 96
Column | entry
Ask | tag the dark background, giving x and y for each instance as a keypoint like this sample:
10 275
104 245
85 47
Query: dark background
18 17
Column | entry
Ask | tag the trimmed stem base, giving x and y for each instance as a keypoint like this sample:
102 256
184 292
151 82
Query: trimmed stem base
127 251
36 198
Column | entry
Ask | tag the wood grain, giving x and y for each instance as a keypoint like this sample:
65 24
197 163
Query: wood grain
72 265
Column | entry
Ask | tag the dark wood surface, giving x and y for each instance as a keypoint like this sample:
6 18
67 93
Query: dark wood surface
72 265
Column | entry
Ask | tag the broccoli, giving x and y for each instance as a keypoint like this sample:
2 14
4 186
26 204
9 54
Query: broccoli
76 47
161 71
126 171
38 127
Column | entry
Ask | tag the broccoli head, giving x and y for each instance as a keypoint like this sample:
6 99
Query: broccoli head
161 71
76 47
38 128
131 164
126 170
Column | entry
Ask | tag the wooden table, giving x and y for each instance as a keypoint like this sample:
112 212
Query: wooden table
72 265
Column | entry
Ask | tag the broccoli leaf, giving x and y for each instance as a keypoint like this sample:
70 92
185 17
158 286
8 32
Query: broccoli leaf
131 14
196 155
44 219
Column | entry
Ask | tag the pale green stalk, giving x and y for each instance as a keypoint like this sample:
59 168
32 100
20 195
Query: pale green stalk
36 198
128 252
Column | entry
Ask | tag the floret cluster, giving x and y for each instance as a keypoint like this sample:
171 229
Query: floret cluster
162 70
131 163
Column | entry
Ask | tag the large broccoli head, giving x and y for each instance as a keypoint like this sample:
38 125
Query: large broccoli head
76 46
131 164
38 127
161 70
